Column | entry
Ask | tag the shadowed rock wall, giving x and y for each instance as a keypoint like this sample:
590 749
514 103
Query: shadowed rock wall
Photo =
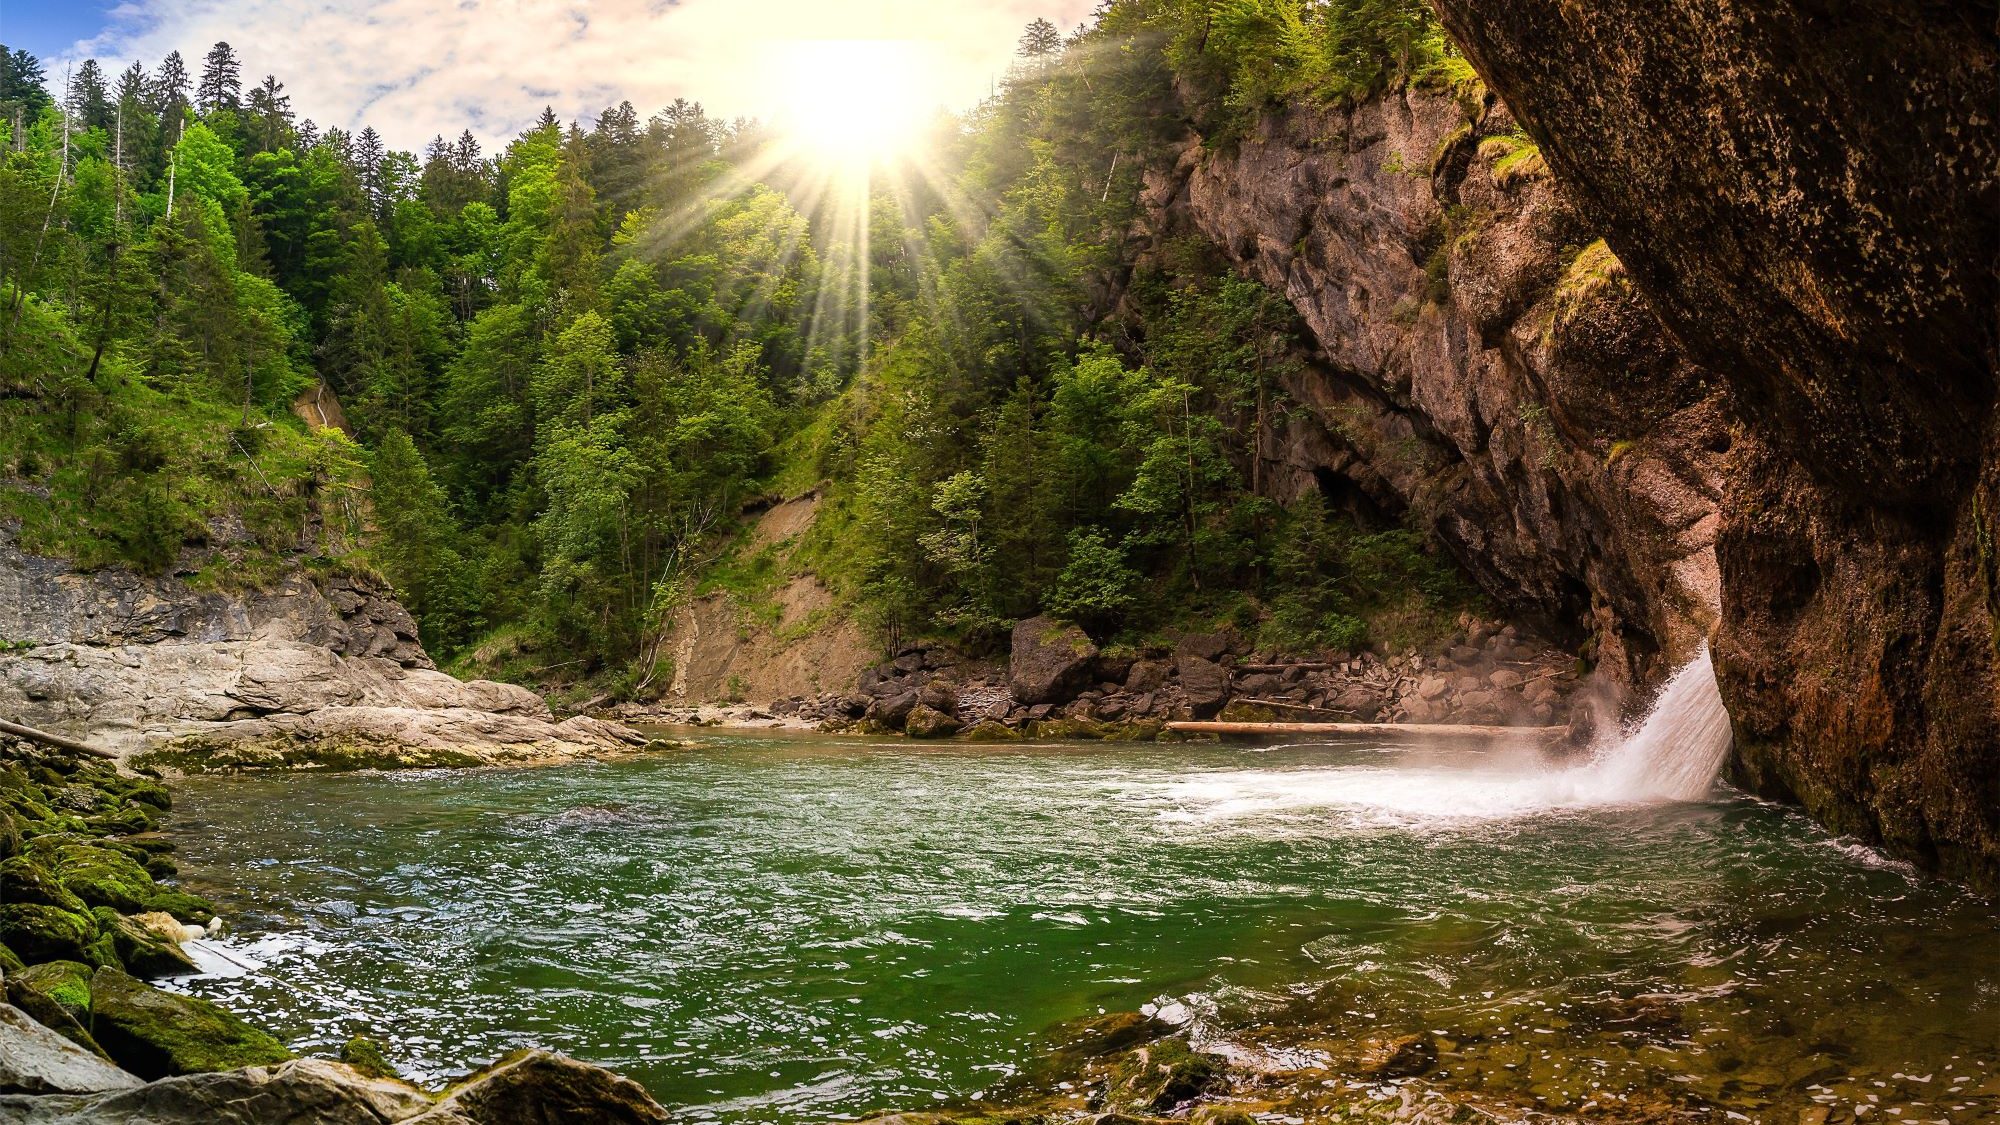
1808 193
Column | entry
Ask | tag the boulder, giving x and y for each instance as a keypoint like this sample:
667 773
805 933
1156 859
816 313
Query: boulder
1204 646
925 721
27 879
1205 684
56 994
1146 675
892 711
36 1060
140 949
39 932
298 1092
1161 1075
1359 702
156 1034
540 1088
103 877
939 695
1049 660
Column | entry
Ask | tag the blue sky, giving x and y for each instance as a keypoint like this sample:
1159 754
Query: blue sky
48 28
414 68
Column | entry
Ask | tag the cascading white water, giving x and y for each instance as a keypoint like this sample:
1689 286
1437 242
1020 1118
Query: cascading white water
1676 753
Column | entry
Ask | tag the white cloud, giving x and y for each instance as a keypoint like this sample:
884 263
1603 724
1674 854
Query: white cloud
415 68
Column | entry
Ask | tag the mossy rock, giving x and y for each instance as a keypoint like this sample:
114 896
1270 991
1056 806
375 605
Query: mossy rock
188 908
139 950
990 730
10 962
125 820
157 1034
1159 1076
39 932
365 1055
28 879
57 996
10 834
101 876
142 791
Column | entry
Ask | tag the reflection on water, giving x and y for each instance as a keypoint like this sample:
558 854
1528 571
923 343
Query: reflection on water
782 930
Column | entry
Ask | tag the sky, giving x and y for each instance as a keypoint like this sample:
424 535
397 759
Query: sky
415 68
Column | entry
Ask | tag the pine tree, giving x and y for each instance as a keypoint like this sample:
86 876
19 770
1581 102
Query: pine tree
270 115
22 95
89 98
169 92
307 133
368 154
1039 40
221 80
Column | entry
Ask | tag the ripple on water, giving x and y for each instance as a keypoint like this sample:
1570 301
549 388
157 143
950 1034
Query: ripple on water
783 930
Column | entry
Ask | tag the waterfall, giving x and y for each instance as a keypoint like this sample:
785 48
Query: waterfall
1675 754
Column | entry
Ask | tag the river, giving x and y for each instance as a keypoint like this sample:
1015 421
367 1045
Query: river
781 929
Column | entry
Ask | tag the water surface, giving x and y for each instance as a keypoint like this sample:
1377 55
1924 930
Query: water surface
803 928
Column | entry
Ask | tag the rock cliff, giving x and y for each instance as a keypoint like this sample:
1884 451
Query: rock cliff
314 667
1482 362
1809 197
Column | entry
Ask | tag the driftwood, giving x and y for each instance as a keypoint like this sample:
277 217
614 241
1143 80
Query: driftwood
1372 730
16 730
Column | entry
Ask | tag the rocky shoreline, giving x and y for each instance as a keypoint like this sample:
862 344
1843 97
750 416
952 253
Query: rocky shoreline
89 914
1056 683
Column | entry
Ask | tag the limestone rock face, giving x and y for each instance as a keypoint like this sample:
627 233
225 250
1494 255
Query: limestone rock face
327 669
1481 365
36 1060
1049 660
1809 196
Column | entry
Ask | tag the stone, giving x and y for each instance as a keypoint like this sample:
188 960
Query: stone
1204 683
1146 675
29 879
1049 660
102 877
36 1060
56 994
939 695
1160 1076
1359 702
892 711
1204 646
925 721
540 1088
40 932
297 1092
156 1034
1400 1057
142 952
1505 679
365 1056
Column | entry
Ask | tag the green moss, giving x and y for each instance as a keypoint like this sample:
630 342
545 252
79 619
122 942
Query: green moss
57 996
138 950
1159 1076
29 879
365 1055
39 932
991 731
10 962
102 877
156 1034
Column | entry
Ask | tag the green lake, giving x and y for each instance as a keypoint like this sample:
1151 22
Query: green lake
781 929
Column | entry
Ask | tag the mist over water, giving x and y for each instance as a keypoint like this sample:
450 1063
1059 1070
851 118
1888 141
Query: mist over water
789 930
1673 754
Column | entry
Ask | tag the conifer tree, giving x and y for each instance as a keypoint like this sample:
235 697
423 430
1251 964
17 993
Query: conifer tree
90 98
270 115
221 85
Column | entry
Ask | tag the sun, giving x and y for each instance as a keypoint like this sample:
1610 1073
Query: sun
854 101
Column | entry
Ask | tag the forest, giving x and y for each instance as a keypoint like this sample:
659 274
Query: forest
560 370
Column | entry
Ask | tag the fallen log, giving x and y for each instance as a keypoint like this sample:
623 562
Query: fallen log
1370 730
16 730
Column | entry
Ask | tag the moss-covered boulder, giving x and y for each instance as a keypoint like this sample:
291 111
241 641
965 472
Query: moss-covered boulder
104 877
140 950
155 1034
991 730
365 1056
10 962
1159 1076
57 995
29 879
39 932
124 820
10 834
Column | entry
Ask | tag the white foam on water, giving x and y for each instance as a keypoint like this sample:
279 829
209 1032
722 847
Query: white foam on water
1674 755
